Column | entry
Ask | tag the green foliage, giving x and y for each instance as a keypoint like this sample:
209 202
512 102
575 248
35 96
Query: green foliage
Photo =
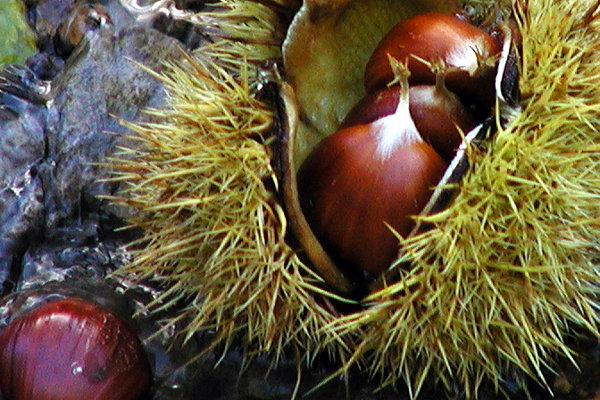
17 41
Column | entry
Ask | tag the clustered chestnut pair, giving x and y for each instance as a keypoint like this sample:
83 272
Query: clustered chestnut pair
377 171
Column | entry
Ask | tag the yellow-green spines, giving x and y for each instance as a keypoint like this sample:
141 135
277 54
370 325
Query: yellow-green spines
214 231
506 270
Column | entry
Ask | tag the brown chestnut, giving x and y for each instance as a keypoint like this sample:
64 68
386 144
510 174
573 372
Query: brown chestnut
437 113
71 349
469 53
365 179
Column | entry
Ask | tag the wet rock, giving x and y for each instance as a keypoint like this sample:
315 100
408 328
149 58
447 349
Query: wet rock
59 24
45 65
23 117
22 147
100 84
22 140
51 142
21 216
50 214
72 252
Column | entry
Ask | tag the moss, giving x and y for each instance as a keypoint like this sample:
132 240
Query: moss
18 41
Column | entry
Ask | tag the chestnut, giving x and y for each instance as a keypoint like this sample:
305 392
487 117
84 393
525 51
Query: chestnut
364 179
429 81
71 349
469 53
438 114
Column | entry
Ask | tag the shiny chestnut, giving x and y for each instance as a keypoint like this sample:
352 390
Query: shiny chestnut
469 53
368 177
71 349
439 116
429 82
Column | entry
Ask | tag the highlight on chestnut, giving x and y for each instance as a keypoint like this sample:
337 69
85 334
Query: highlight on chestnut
363 185
469 52
72 349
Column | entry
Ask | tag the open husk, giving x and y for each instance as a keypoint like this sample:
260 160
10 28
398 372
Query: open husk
497 283
325 53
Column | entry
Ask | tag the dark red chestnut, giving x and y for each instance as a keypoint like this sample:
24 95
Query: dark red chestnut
437 113
364 179
469 52
71 349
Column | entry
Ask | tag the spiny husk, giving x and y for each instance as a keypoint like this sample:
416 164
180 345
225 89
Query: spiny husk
511 265
507 269
203 182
